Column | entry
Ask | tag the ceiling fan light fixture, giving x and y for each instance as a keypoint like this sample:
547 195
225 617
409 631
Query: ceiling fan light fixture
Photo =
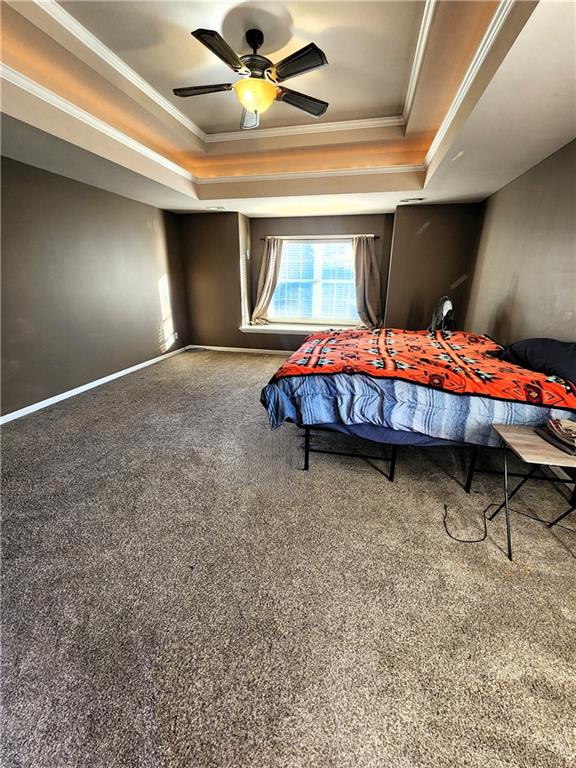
261 77
255 94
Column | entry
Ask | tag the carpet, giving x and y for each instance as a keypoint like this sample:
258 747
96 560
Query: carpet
177 593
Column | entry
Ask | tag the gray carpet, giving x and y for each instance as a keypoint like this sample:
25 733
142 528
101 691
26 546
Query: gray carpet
177 593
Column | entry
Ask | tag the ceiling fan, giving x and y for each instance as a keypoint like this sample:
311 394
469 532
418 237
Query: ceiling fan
260 85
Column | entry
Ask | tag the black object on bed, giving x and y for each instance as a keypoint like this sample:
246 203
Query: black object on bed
549 356
443 315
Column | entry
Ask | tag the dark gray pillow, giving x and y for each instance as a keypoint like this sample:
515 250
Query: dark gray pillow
549 356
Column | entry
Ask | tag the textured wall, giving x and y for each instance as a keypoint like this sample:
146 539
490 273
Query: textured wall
82 276
433 251
525 279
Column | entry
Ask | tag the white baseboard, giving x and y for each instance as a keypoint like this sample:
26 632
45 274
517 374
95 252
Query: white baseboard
284 352
78 390
105 379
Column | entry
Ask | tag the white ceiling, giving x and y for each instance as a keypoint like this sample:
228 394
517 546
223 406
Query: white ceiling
369 46
527 112
30 145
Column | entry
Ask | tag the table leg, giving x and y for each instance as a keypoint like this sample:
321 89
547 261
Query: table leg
515 491
507 505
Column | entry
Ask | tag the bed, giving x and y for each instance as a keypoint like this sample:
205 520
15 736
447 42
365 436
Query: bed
412 387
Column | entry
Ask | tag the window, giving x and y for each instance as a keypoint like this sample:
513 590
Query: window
316 282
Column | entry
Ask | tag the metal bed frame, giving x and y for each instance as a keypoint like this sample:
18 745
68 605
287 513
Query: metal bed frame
472 468
531 475
309 448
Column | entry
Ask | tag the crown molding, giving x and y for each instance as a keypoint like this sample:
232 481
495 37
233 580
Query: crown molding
39 91
421 44
314 174
58 14
84 36
65 20
25 83
298 130
496 24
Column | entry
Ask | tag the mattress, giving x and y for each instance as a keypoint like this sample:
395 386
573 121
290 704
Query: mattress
399 405
457 391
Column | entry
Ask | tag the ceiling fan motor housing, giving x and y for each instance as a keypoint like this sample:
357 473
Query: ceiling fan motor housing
260 83
256 64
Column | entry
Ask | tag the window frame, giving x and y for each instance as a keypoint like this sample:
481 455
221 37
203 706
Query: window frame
316 283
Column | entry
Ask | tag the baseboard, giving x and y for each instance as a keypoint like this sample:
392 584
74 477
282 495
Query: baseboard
284 352
90 385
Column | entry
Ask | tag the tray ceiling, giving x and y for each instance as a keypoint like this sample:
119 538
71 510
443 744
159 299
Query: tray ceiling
370 47
83 89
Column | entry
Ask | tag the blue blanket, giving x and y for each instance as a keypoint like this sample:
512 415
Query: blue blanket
399 405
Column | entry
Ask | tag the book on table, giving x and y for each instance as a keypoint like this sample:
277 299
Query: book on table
560 433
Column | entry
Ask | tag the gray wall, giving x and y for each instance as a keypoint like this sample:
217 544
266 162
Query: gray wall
525 280
82 268
210 245
81 271
433 253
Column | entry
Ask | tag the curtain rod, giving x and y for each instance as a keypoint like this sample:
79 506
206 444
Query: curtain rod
319 237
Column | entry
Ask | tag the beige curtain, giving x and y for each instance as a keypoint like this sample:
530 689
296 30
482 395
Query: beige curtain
368 292
268 279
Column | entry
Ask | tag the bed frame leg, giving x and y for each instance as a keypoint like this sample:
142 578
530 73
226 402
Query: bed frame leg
471 468
392 463
306 448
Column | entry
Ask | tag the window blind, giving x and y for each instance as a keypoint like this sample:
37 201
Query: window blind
316 282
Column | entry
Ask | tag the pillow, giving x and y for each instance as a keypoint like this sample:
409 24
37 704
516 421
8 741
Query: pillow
555 358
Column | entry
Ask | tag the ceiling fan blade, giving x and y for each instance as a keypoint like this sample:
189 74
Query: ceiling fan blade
198 90
249 120
219 47
305 60
309 104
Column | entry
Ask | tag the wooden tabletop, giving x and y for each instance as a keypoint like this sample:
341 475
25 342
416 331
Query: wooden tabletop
532 448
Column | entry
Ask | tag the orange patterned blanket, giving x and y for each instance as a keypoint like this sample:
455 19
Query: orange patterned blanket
452 361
